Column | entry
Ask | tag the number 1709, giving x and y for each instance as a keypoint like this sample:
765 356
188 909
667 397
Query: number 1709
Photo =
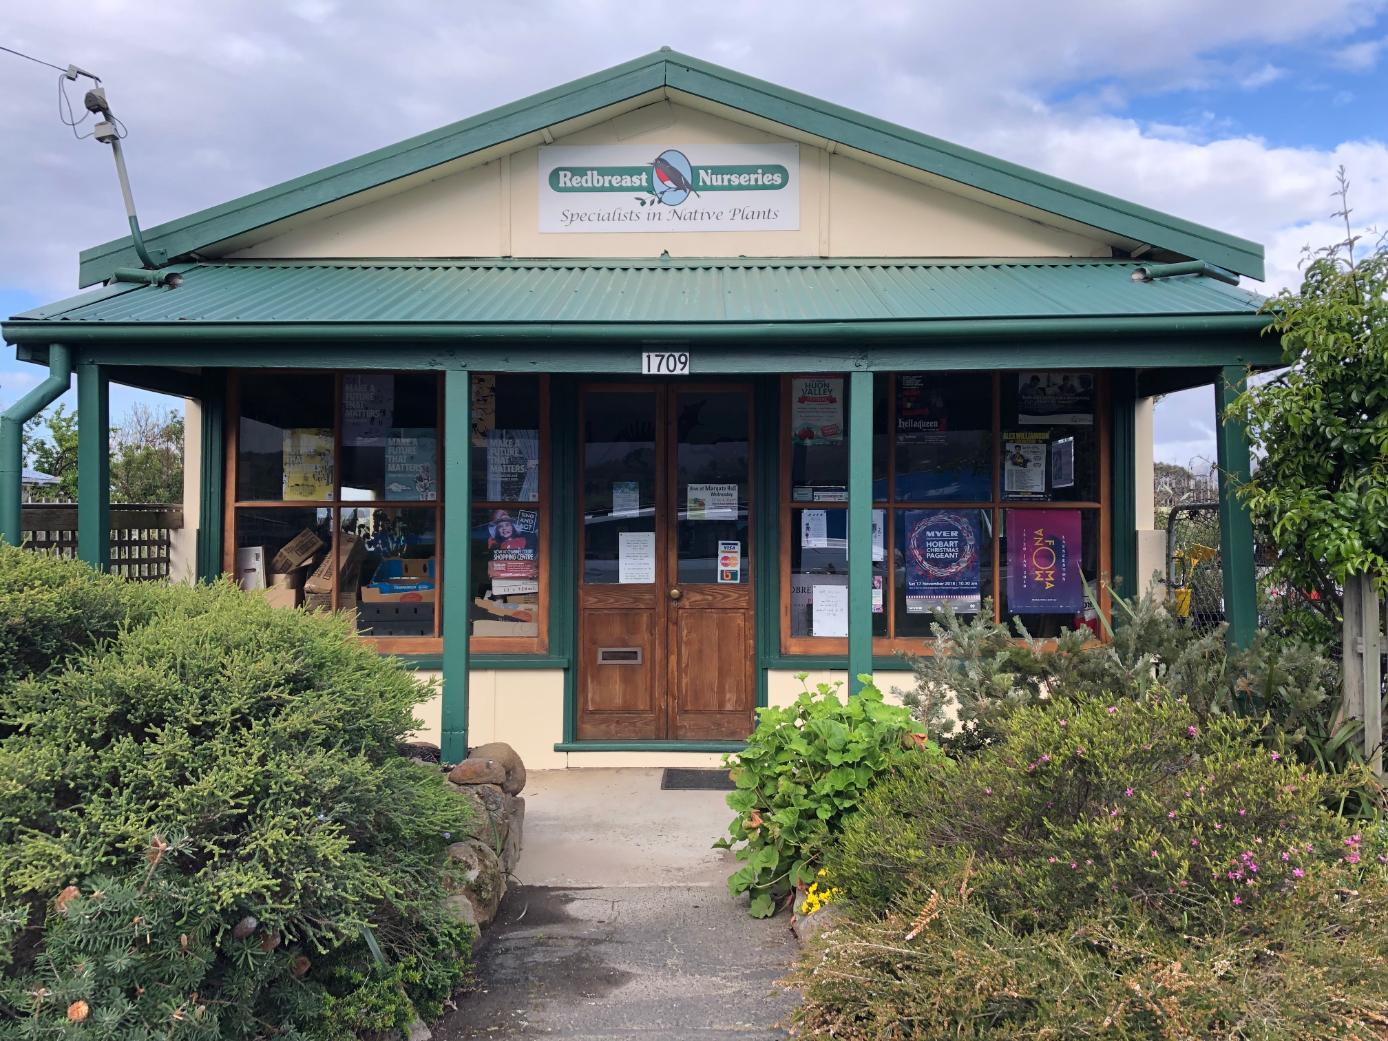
661 363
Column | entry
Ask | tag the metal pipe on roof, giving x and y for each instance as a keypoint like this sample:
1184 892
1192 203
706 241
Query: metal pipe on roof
12 422
1150 272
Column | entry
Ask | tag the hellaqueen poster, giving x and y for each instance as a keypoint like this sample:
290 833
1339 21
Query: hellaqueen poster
1043 562
942 560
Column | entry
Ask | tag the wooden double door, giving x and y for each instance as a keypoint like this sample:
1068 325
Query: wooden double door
665 598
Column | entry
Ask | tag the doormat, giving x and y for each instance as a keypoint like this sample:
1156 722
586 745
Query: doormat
684 779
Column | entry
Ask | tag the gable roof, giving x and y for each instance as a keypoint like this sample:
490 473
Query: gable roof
669 71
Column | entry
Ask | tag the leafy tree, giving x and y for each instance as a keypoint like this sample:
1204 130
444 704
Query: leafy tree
147 456
1320 427
50 446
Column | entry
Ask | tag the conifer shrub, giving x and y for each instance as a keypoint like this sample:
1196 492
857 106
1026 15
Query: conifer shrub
1105 868
205 828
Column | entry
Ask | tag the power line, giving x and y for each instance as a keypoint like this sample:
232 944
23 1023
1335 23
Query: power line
30 57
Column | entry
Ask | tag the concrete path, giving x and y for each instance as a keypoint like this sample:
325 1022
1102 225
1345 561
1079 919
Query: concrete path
622 926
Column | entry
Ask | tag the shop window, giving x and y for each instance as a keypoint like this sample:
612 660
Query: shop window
509 522
338 505
967 451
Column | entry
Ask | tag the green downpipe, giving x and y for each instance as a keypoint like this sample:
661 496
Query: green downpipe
1185 267
12 422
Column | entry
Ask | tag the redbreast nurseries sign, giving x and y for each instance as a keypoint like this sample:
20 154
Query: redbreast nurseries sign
634 188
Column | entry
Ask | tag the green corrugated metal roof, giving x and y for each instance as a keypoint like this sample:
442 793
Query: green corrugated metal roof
657 291
673 72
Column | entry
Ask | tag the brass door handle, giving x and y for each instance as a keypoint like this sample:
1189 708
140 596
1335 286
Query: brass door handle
675 594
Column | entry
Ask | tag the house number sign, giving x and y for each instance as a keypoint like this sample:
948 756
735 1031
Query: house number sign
665 363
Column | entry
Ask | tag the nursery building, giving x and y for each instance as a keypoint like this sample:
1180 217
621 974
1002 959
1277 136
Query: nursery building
618 406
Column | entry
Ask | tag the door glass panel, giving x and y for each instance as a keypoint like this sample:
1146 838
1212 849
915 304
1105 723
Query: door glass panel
619 488
711 487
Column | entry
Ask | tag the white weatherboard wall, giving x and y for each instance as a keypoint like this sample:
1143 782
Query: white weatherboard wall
847 209
183 542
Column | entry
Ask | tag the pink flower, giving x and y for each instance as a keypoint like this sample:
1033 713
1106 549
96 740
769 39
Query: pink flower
1219 826
1064 723
1171 816
1276 757
1046 758
987 791
1154 853
1074 866
1243 813
1191 731
1112 709
1195 842
1050 860
1286 856
1238 900
1128 793
1352 858
1298 873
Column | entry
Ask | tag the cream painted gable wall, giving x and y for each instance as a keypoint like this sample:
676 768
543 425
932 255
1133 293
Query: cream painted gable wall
847 209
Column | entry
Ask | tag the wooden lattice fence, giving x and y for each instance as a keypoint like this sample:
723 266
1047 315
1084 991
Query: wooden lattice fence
141 536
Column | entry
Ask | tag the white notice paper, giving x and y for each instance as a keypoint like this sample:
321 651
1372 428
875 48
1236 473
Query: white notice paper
814 529
626 499
829 610
635 557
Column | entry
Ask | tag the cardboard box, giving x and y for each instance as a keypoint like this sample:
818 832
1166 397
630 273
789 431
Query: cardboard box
513 613
250 567
353 552
289 580
296 552
284 596
398 592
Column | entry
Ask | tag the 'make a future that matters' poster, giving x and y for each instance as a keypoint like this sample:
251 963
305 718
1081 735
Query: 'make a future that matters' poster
1043 562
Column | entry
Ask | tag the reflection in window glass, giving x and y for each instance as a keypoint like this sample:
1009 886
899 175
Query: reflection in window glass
619 480
944 437
1046 558
942 558
505 438
284 445
388 569
819 573
711 476
505 572
1050 445
389 437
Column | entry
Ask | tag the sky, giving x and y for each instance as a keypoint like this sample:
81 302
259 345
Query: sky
1231 115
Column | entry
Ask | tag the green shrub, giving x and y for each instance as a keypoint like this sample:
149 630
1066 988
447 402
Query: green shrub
1124 868
803 771
204 825
980 670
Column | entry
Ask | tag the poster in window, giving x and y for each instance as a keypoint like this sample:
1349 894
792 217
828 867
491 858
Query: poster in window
922 415
1043 562
1056 398
879 534
368 409
513 544
483 409
1024 465
513 465
635 557
816 410
411 464
711 502
814 529
942 561
307 458
1063 463
829 610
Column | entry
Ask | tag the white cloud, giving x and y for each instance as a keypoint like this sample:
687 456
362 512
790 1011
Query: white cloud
1361 56
222 100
